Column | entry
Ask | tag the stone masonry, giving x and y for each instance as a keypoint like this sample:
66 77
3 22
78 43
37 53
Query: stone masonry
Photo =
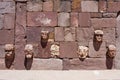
71 23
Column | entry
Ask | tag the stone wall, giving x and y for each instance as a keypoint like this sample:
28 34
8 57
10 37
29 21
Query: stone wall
70 22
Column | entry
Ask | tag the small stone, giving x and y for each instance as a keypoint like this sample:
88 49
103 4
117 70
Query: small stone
113 6
74 19
65 6
76 5
48 5
60 36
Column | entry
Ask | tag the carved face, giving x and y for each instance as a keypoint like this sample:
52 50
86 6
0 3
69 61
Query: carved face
111 51
82 51
98 35
28 51
55 50
9 49
44 34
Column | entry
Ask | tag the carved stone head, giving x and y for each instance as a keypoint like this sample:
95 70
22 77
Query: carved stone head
44 38
55 50
98 35
29 51
111 51
82 51
9 49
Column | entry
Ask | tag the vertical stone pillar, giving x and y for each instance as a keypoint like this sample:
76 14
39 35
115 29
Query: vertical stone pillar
117 58
20 31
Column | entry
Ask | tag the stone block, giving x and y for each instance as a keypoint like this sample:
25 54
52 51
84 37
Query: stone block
109 15
76 5
84 34
8 0
102 6
84 19
20 0
2 64
103 22
9 21
69 34
2 52
1 21
48 5
60 36
88 64
74 19
95 15
89 6
7 7
68 49
44 52
33 34
100 53
113 7
109 36
65 6
42 19
7 36
56 5
63 19
34 6
47 64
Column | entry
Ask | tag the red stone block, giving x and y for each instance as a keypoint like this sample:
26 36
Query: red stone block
76 5
113 7
68 50
74 19
56 5
48 6
95 15
65 6
84 19
41 18
102 6
60 36
9 21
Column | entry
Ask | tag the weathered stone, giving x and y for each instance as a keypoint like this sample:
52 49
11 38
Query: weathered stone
2 64
69 34
74 19
88 64
65 6
60 36
109 36
84 19
84 35
47 64
63 19
102 6
44 52
100 53
42 19
9 21
7 7
48 6
76 5
109 15
34 6
68 50
21 0
2 52
95 15
89 6
66 64
1 21
56 5
6 36
103 22
113 7
33 34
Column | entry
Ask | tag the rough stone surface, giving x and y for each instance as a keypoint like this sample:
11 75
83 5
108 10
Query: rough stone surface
56 5
76 5
42 19
1 21
9 21
7 36
89 6
102 6
65 6
47 64
7 7
103 22
100 53
60 36
84 19
109 15
93 63
74 19
2 52
113 7
95 15
48 6
63 19
68 49
34 6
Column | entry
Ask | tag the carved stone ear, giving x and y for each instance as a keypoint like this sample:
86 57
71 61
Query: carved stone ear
9 55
